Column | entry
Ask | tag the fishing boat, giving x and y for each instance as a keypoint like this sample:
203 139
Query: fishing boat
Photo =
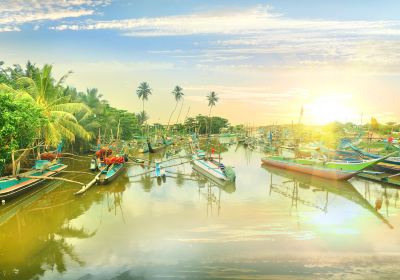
10 187
212 168
155 149
97 162
390 160
111 166
334 170
167 141
144 149
114 166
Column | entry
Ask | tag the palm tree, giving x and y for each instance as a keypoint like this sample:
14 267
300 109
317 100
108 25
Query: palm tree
212 98
92 99
180 111
142 117
55 103
178 95
143 92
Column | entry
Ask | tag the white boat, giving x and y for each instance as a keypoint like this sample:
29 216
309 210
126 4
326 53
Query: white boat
210 167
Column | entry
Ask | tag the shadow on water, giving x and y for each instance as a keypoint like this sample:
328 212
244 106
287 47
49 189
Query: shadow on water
193 227
212 190
36 229
34 232
294 181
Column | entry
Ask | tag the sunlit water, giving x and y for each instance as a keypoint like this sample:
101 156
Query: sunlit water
269 225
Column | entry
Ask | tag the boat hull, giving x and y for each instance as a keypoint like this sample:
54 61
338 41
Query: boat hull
310 170
209 169
22 186
110 176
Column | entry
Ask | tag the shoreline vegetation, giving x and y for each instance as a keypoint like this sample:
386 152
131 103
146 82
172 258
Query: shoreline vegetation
39 111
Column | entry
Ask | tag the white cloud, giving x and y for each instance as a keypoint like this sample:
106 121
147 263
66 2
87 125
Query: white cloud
249 39
257 20
14 13
9 29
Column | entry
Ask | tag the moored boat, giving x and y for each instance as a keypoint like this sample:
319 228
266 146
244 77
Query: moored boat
392 160
113 167
334 170
212 168
11 187
157 148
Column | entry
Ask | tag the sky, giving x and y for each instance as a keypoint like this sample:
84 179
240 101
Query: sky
339 60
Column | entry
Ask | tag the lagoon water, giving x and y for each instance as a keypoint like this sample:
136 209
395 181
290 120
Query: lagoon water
271 224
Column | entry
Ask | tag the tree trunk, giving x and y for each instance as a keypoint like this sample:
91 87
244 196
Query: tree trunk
209 122
144 119
170 116
180 111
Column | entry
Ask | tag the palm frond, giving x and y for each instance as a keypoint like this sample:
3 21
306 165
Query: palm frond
27 84
73 108
63 115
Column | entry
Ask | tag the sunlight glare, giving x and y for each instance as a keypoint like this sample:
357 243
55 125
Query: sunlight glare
330 108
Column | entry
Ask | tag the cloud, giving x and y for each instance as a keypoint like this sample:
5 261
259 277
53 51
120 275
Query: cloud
258 20
9 29
15 13
258 36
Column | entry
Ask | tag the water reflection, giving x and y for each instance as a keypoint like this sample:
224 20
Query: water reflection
113 197
270 224
35 232
211 190
384 197
320 187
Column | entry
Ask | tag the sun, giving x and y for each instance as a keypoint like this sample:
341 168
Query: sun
330 108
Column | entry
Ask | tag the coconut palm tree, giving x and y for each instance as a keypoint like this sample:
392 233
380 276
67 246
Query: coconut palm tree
61 113
178 95
142 117
212 98
143 92
92 99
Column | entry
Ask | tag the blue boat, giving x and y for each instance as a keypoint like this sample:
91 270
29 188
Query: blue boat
110 172
11 187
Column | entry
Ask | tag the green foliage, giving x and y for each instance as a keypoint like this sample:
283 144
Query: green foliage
143 92
178 93
20 121
66 113
212 98
55 102
199 124
142 117
128 125
374 124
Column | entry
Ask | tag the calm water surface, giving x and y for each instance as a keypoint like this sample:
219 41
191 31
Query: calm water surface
269 225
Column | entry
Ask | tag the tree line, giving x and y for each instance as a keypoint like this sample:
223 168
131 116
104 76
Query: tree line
37 108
